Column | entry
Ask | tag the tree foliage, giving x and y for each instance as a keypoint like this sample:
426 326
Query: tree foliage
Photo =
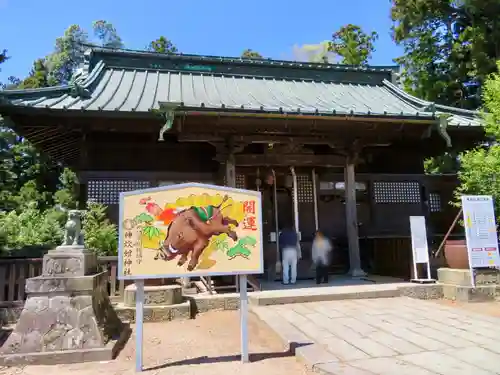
3 56
251 54
11 81
162 45
353 45
32 185
480 167
30 224
450 47
107 35
38 77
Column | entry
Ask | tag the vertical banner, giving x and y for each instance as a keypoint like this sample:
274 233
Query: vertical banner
480 232
419 244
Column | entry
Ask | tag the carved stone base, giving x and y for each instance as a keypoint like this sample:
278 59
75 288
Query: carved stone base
65 320
69 261
155 295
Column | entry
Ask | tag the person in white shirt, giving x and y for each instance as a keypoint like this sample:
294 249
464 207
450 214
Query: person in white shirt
321 249
290 254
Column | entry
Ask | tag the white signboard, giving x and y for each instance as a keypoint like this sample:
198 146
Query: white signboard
480 231
419 245
419 239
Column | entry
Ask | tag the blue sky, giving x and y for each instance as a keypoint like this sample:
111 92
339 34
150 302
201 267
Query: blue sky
219 27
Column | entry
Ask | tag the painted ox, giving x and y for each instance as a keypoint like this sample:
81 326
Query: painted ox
191 231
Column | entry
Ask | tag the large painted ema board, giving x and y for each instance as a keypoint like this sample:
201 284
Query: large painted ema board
190 230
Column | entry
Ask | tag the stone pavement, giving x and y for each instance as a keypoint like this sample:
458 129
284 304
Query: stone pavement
387 336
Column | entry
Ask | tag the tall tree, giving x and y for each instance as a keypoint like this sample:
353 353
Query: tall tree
11 81
38 77
67 55
69 49
251 54
20 161
480 167
162 45
353 45
106 34
3 56
450 47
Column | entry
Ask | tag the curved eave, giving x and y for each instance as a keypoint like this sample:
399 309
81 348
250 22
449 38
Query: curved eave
54 91
456 116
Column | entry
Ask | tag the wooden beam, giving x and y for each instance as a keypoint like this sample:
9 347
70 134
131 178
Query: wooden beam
255 138
352 216
297 160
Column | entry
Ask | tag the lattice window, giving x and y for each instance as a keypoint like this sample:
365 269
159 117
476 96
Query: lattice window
241 181
396 192
434 202
305 189
108 191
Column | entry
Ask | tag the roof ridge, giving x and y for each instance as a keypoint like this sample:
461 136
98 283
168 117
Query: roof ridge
249 61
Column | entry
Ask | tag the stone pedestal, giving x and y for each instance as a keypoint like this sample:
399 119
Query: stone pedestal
67 316
161 303
154 295
457 284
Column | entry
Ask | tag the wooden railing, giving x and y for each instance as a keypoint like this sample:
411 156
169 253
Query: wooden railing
14 272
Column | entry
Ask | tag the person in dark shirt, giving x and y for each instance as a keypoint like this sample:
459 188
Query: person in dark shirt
289 254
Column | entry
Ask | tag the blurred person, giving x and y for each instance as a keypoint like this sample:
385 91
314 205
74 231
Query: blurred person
321 250
290 254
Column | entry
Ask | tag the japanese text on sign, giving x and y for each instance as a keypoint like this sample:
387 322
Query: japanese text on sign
250 221
480 231
127 259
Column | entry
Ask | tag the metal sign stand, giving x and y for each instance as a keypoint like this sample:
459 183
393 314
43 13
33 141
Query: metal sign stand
139 323
420 249
244 318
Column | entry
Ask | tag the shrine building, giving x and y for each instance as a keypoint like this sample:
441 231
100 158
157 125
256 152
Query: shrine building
331 147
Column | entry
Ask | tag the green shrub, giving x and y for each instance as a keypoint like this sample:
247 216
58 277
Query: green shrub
100 234
30 227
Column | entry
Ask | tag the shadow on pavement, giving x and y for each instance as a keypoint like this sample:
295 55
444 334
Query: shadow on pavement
254 357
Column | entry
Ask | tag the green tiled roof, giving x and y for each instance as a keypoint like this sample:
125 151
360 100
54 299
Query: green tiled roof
129 81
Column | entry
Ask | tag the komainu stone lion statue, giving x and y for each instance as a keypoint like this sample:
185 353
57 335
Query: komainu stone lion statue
73 235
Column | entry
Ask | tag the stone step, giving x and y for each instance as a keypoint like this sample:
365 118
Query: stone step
295 341
333 293
481 293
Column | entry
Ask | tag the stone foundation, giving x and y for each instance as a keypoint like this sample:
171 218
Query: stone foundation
457 285
161 303
154 295
423 291
65 318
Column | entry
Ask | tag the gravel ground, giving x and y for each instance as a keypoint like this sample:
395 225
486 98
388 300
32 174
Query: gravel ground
207 345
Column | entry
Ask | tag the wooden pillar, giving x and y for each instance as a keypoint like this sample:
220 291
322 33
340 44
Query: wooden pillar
230 171
231 182
84 159
352 217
